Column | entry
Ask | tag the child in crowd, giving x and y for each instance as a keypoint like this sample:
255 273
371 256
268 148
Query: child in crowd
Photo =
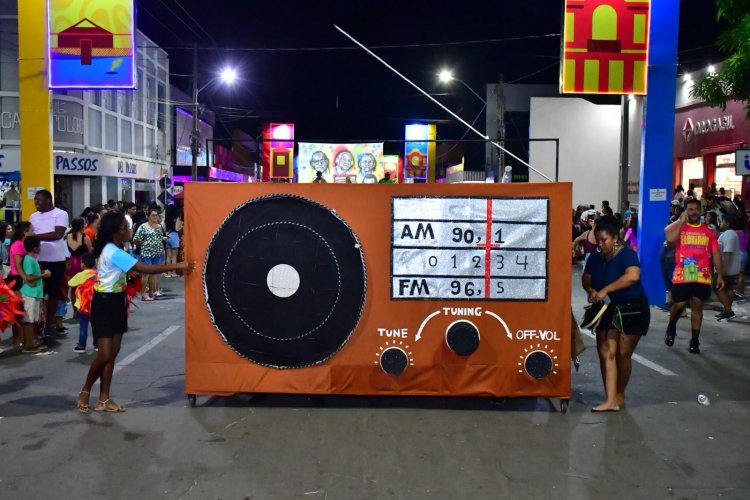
32 292
83 283
62 310
6 231
16 253
631 233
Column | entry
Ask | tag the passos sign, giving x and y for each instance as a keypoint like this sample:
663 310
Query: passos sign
64 163
74 163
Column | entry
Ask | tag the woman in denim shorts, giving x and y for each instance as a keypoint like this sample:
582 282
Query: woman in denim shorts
150 237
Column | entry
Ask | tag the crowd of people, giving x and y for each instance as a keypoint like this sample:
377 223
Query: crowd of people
705 249
96 262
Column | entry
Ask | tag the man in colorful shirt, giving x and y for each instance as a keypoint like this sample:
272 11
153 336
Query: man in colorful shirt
696 249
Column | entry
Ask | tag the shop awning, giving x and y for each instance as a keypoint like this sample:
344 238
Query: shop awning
10 176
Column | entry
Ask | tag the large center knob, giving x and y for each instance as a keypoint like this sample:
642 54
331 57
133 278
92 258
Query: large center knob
462 337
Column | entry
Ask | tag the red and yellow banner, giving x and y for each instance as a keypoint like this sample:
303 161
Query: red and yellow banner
605 47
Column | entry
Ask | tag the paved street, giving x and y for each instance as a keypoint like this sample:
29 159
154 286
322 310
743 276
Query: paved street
664 445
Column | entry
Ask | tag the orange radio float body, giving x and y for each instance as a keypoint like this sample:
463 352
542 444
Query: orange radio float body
415 289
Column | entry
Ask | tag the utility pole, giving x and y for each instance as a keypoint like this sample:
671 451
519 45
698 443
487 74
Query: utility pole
194 140
624 149
501 129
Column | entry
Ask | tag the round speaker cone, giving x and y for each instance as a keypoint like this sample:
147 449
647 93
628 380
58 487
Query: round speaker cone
284 281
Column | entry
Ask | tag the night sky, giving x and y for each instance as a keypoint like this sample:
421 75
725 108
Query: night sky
342 93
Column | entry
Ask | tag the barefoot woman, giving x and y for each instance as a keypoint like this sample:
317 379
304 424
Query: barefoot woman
613 271
109 318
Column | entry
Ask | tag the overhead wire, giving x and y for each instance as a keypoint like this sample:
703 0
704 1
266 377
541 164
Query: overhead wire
349 48
533 73
155 18
179 18
195 22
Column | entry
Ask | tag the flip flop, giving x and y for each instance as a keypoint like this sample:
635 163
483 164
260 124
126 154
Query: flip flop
83 407
594 410
108 409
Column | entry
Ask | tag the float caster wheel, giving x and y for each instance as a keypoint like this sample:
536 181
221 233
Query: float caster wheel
192 400
564 406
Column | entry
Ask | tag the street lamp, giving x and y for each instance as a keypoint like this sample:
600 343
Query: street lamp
446 76
227 76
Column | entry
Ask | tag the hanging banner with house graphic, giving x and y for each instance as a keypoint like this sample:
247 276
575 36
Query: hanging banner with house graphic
605 47
91 44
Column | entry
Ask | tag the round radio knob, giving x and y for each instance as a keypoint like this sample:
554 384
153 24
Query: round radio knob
393 361
538 364
462 337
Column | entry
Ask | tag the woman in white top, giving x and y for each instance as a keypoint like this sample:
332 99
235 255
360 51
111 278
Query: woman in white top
109 318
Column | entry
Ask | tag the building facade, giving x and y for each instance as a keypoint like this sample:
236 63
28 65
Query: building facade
705 141
108 144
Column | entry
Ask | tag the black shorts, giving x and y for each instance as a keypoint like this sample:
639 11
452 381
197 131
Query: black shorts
637 326
53 284
16 280
730 282
683 292
109 314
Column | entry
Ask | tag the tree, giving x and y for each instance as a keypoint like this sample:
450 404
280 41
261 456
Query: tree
732 80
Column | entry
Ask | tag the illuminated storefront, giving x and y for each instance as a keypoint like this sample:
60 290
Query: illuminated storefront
705 141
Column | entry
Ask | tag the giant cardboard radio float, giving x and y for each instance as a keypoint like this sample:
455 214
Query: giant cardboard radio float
416 289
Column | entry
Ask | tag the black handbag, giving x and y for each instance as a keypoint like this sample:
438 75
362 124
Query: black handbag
628 317
592 315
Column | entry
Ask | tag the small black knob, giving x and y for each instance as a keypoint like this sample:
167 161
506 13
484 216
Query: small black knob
538 364
393 361
462 338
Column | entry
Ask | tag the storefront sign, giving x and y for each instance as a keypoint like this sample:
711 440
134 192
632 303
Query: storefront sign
103 165
10 120
742 162
225 175
10 160
698 128
690 129
67 120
